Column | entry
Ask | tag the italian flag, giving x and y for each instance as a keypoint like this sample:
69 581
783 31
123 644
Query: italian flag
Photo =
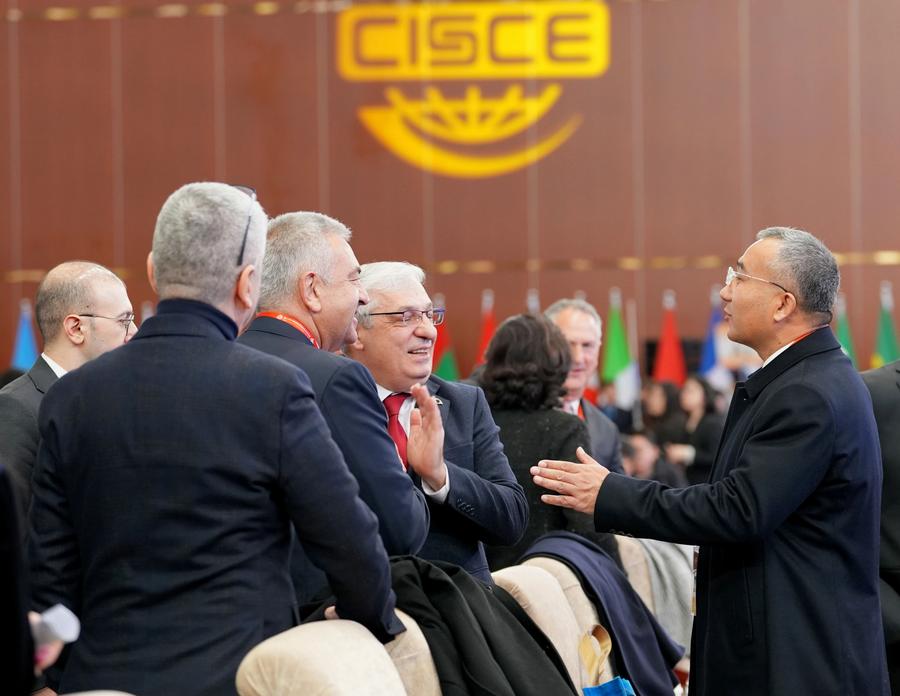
886 342
617 364
444 360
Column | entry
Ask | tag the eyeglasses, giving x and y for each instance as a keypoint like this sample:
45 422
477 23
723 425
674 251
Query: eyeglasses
127 321
251 192
732 274
414 316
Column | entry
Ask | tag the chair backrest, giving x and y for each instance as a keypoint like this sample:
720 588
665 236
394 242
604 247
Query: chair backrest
411 656
582 608
634 560
326 658
542 598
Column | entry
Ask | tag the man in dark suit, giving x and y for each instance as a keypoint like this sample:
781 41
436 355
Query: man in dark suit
787 581
581 325
472 492
308 301
884 386
82 311
170 471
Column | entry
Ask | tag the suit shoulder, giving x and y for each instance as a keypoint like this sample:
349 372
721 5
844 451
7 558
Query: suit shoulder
597 417
18 390
456 390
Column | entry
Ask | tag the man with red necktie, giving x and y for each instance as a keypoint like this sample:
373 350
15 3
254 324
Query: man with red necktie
310 293
472 492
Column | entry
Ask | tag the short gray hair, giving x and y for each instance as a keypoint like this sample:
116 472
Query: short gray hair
296 244
807 265
576 305
68 288
385 276
197 241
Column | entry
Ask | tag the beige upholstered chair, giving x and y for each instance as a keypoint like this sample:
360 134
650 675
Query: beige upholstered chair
542 598
325 658
634 560
412 658
583 609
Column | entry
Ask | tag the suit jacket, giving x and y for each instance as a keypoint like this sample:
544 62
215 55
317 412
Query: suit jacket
485 504
19 403
528 437
478 645
606 447
787 582
884 386
169 472
348 399
17 655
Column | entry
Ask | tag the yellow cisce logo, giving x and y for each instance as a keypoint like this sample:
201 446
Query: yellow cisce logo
512 42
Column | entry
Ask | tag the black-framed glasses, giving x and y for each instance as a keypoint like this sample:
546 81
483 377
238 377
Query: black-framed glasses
731 274
414 316
127 321
251 192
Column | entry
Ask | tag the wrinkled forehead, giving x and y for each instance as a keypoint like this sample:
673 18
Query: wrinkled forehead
408 295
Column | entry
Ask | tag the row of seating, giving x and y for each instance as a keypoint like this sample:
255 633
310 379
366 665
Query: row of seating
339 658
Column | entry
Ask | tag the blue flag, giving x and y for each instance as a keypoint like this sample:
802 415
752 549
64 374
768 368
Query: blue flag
25 350
708 359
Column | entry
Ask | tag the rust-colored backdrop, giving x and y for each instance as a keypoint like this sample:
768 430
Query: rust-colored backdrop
714 119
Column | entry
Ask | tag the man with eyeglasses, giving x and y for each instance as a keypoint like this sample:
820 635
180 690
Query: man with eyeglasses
307 312
171 472
472 493
82 311
787 598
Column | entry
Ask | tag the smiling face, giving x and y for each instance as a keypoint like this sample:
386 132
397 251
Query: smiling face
341 295
583 336
398 356
751 304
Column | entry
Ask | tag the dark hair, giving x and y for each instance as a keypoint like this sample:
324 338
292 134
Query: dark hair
709 394
526 364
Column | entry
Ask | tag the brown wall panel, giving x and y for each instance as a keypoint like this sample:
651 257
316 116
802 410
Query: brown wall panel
713 119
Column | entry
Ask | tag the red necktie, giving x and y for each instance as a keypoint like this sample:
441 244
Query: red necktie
392 405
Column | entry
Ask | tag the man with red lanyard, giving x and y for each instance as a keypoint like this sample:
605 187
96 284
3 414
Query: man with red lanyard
308 301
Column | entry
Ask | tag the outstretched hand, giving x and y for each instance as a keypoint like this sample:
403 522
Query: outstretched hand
575 485
425 445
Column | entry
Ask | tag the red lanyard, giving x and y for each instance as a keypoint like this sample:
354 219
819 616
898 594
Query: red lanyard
296 323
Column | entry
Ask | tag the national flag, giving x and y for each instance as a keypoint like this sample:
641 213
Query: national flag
444 359
533 301
708 357
488 324
842 329
25 350
886 342
617 364
669 365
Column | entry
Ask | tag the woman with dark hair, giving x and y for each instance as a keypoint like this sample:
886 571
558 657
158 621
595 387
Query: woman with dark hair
526 365
695 448
661 412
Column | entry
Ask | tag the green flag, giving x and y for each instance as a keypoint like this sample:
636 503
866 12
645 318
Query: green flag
886 342
843 329
617 365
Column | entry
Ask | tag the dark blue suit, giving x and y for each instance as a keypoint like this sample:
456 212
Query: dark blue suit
485 502
169 472
348 399
787 583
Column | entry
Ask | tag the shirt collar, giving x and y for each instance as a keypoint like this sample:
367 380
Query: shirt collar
58 369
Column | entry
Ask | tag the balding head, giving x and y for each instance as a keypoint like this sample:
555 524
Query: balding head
69 288
82 311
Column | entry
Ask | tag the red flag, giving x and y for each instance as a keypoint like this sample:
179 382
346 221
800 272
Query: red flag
669 365
444 359
488 324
